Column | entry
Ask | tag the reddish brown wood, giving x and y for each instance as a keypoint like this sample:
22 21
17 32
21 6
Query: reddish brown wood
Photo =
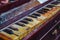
6 7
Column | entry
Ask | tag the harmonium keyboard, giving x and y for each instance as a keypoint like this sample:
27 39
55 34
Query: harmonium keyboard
17 25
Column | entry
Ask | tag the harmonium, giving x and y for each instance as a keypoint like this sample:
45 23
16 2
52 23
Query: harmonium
29 19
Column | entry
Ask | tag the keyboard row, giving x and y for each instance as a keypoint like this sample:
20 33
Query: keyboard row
23 27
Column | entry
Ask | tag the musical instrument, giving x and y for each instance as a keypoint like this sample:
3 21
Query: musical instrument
19 27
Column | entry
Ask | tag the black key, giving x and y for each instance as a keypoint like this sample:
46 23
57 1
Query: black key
8 31
58 0
0 19
50 6
28 19
55 3
39 11
45 9
23 21
13 28
36 14
1 38
20 24
32 16
42 11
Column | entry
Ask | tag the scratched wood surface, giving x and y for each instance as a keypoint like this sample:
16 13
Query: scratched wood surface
31 4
